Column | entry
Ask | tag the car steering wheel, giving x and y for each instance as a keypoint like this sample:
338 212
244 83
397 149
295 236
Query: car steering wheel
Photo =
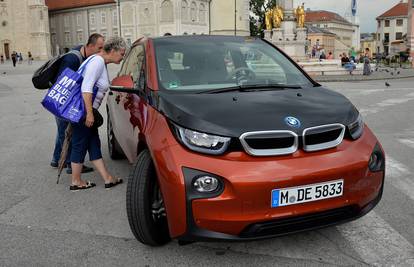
240 73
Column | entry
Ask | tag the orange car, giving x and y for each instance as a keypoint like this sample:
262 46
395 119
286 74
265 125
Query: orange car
233 141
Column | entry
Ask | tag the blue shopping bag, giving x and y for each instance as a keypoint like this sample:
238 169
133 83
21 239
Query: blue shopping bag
64 99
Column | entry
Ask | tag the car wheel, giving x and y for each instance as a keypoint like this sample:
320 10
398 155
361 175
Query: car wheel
145 206
114 148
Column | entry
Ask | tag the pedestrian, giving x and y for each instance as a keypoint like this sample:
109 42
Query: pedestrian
330 55
29 58
14 58
367 63
1 59
72 61
20 58
85 136
344 59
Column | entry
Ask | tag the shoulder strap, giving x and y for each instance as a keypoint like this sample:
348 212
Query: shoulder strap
78 54
81 69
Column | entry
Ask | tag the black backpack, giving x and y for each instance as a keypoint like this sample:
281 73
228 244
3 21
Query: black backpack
44 77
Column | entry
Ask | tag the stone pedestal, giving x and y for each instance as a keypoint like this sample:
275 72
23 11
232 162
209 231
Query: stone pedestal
277 35
290 39
267 34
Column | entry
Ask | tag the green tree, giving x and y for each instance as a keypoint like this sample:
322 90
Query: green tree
257 20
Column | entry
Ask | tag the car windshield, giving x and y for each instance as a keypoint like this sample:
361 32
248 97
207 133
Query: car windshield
205 63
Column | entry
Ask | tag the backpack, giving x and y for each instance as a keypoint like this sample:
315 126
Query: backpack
44 77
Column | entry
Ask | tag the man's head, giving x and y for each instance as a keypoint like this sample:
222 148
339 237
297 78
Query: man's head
95 44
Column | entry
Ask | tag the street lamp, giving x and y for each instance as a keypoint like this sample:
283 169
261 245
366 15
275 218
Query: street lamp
235 17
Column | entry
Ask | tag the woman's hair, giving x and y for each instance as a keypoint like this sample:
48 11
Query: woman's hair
116 43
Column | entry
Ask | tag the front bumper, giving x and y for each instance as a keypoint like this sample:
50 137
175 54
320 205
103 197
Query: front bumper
243 211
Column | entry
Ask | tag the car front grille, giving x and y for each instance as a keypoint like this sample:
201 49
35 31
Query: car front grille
300 223
323 137
276 143
269 143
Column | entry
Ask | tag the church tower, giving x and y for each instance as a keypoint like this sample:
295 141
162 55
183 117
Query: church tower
229 17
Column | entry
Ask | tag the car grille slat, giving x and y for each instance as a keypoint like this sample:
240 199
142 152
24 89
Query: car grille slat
323 137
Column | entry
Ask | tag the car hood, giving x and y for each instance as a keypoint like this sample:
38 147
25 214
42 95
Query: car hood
234 113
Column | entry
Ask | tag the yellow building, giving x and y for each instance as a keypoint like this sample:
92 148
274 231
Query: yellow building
24 27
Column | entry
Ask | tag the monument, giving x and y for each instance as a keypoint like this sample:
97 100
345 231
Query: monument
285 27
410 34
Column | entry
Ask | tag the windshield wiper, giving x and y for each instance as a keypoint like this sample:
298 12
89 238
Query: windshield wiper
252 88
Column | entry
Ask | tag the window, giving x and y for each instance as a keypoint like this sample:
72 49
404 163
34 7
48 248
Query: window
193 11
114 18
386 37
202 16
103 18
80 37
387 23
399 36
167 12
92 19
184 10
66 21
67 37
41 14
400 22
115 32
133 63
78 20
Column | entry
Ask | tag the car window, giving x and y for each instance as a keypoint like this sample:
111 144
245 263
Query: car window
196 64
133 63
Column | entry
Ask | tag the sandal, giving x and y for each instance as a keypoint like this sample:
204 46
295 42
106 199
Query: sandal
112 184
82 187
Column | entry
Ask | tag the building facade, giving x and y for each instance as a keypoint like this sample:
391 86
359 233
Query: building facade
30 34
369 41
334 23
71 22
392 28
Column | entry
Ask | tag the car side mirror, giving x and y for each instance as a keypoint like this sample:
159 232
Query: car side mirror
124 84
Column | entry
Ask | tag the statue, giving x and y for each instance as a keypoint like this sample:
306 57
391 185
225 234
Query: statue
268 19
278 16
300 15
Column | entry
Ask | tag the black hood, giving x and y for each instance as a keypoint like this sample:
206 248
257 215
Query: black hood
234 113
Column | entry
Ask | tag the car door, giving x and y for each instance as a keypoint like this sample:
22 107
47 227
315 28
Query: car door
125 107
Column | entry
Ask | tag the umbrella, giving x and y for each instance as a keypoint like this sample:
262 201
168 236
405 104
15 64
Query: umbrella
65 148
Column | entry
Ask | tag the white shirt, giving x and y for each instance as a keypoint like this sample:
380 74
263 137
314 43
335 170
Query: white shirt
95 73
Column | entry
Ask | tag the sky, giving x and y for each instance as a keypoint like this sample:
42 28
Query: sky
367 11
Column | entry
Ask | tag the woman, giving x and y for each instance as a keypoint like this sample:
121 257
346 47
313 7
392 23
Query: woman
367 63
85 137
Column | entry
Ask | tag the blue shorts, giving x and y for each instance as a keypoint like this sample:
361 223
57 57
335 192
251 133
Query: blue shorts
84 140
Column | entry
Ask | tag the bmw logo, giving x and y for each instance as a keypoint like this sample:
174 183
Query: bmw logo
292 122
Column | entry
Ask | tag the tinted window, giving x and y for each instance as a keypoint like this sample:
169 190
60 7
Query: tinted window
133 63
203 63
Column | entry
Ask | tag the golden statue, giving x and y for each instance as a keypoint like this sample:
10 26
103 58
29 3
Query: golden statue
278 16
300 15
268 19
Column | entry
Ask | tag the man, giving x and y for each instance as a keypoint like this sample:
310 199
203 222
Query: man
94 45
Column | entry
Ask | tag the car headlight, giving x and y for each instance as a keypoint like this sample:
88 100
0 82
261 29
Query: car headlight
356 128
202 142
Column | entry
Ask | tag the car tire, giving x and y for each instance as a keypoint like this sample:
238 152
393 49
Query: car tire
114 148
145 207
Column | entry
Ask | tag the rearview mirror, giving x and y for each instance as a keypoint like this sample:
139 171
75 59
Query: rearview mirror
124 84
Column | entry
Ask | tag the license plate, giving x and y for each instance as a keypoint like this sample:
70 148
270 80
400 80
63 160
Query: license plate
307 193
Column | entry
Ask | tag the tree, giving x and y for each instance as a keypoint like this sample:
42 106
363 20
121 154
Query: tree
257 21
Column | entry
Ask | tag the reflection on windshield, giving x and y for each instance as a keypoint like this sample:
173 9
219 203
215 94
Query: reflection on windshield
194 64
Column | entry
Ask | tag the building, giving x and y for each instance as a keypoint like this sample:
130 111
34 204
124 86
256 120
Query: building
24 27
334 23
230 17
368 40
322 39
71 22
391 28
